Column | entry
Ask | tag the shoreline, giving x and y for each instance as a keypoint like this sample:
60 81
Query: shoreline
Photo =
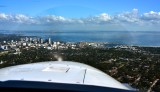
115 43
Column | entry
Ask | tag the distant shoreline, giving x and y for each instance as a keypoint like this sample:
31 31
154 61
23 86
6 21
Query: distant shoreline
130 38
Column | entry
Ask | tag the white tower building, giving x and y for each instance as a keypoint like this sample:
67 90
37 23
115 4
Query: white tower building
49 41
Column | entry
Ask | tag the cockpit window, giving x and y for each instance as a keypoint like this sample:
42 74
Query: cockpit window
120 38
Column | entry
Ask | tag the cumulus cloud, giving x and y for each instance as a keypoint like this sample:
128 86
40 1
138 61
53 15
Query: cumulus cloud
151 15
129 19
18 18
152 18
52 19
3 16
99 19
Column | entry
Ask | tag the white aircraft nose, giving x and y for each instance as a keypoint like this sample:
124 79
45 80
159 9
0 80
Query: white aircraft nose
60 72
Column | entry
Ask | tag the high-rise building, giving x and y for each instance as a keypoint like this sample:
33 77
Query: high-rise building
27 39
41 40
12 41
30 39
49 41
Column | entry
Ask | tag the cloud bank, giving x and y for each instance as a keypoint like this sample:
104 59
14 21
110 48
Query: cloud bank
131 20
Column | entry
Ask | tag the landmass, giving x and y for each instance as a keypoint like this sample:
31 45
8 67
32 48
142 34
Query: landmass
136 65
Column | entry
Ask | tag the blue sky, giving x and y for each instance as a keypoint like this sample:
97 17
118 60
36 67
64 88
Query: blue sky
76 8
72 14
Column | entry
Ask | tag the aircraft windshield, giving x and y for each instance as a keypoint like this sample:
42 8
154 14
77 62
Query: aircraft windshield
118 37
